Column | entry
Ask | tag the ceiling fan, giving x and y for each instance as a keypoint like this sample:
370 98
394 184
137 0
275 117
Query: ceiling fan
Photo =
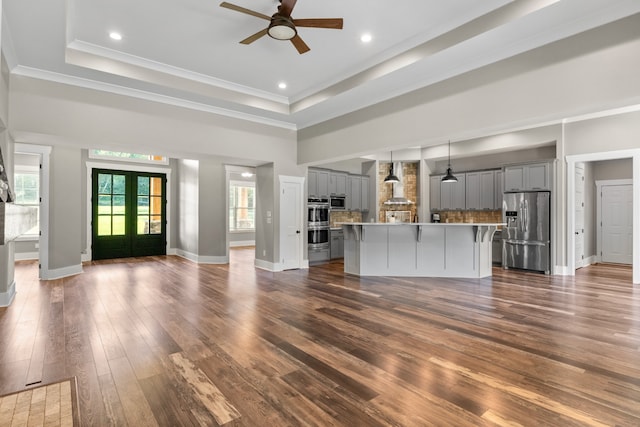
282 26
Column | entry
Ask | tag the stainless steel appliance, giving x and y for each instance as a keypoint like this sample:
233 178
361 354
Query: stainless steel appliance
527 234
318 229
318 212
338 203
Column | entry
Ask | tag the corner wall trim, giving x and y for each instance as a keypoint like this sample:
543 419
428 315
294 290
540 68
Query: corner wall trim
6 298
266 265
202 259
59 273
25 256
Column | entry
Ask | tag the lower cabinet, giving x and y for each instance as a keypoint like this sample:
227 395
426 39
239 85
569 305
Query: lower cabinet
337 244
318 255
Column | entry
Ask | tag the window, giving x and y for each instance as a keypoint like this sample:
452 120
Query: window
242 206
27 190
127 157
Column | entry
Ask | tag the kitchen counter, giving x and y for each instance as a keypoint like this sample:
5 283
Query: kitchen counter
460 250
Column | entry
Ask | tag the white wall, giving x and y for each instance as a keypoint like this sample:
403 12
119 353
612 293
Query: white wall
188 211
545 85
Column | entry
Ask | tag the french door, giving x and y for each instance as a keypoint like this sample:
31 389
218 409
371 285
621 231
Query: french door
129 210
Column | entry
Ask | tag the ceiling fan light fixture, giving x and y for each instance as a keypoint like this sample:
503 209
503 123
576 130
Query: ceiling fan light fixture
281 28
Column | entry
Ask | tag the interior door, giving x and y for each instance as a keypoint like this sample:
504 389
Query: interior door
290 224
617 223
129 210
579 215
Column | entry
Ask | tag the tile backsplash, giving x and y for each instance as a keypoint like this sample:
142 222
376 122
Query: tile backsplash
343 216
471 216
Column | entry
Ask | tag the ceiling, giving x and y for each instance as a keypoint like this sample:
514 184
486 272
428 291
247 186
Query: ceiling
187 52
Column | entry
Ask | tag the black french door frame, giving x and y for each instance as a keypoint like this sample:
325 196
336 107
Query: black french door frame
128 214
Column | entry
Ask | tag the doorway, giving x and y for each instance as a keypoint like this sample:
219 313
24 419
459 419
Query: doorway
579 218
615 232
128 214
291 226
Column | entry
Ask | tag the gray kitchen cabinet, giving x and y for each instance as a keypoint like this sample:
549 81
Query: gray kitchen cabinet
318 185
532 177
337 183
538 177
453 194
487 190
498 190
434 192
337 244
364 194
472 190
354 193
312 183
480 193
323 183
514 178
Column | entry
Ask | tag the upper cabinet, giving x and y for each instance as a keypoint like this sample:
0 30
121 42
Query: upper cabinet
480 190
453 194
364 194
338 183
434 192
354 193
532 177
318 183
497 204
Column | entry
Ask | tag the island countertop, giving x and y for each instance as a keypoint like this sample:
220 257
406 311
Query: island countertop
418 249
435 224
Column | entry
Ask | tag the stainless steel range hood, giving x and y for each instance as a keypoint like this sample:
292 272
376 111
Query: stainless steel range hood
398 188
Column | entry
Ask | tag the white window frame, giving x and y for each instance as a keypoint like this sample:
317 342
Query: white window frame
238 183
94 155
33 170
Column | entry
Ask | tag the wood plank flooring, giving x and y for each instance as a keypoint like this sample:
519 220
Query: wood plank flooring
163 341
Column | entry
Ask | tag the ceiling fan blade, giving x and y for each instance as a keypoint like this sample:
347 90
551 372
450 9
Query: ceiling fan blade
255 37
244 10
300 45
333 23
286 7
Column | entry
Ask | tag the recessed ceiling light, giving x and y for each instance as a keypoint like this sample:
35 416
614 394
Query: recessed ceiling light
366 38
115 36
282 85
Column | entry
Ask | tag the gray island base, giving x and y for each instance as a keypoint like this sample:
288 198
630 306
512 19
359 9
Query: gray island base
418 249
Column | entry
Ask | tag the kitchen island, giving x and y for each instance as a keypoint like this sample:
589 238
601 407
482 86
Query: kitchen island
460 250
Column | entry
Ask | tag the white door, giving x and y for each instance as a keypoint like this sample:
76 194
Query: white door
617 223
291 209
579 222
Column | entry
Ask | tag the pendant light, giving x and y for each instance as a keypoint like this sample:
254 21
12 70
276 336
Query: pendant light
449 177
391 178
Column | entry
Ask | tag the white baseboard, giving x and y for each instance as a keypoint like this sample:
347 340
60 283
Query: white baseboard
85 257
6 298
590 260
267 265
202 259
276 267
59 273
562 270
242 243
24 256
172 251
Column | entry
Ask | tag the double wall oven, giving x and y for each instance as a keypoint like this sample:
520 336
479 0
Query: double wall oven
317 226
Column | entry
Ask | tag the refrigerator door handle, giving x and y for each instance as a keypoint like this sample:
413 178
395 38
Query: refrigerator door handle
526 216
526 243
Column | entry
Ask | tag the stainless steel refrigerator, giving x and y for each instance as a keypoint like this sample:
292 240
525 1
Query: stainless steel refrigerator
526 237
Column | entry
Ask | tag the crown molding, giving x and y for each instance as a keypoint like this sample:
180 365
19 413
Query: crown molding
144 95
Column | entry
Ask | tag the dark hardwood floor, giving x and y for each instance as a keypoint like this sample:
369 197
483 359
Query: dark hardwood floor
163 341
